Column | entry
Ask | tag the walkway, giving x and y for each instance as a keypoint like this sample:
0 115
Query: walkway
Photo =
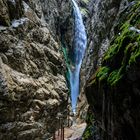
72 133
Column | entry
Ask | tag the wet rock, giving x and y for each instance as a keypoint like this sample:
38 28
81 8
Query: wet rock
100 18
113 91
4 17
32 84
55 16
15 8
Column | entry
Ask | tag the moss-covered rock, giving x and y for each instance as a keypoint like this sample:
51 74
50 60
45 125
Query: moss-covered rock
88 133
124 49
113 92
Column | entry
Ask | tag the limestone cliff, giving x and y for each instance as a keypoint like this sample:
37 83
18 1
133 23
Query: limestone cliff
34 34
32 84
113 91
100 16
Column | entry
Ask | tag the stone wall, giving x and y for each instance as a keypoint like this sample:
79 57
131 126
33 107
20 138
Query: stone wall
113 92
32 83
100 16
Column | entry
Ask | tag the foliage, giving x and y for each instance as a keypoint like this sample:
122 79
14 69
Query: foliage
124 49
102 73
118 62
84 11
88 133
114 77
85 1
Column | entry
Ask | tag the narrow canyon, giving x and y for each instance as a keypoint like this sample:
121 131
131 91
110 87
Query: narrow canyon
69 69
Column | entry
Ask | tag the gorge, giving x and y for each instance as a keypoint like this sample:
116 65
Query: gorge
49 48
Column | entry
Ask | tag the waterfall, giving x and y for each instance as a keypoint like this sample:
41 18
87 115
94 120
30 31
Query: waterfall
79 46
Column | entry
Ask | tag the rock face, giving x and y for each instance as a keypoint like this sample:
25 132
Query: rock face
32 86
113 92
58 16
100 17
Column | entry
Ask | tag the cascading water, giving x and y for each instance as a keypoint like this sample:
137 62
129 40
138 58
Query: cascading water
79 46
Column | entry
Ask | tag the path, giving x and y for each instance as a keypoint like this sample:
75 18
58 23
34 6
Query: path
73 132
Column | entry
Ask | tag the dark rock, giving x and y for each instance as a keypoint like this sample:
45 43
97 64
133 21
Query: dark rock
4 13
113 92
100 19
32 85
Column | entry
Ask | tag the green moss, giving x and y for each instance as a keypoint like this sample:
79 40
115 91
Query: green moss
114 77
124 46
135 55
122 55
84 11
110 53
127 54
85 1
102 73
89 118
88 133
119 42
124 49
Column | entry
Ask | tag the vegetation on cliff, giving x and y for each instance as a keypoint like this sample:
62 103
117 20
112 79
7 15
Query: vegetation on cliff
124 50
116 83
33 88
